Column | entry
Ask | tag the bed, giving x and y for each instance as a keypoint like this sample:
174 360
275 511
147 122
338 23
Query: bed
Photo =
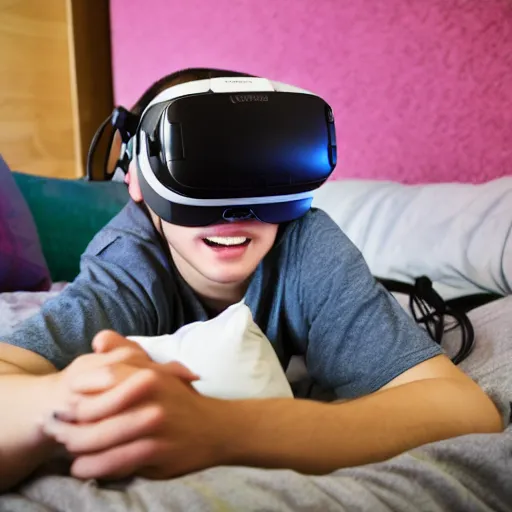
466 232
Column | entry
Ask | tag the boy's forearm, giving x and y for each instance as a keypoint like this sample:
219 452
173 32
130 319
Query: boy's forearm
23 399
319 438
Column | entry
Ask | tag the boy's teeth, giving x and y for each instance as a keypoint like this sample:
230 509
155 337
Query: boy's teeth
227 240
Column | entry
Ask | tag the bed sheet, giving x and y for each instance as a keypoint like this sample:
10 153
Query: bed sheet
469 473
18 306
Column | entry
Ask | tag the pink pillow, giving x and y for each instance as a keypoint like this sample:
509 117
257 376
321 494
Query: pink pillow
22 264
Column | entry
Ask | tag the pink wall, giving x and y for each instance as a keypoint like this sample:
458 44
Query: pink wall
421 89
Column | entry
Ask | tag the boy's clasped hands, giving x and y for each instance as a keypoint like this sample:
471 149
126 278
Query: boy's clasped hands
118 413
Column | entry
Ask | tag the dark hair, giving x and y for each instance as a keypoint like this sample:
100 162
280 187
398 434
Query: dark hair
180 77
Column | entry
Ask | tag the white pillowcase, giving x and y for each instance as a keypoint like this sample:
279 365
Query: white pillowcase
230 353
459 235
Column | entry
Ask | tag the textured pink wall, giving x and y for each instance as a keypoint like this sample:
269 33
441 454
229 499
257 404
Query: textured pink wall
421 89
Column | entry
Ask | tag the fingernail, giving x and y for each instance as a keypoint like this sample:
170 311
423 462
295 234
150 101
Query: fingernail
50 425
64 416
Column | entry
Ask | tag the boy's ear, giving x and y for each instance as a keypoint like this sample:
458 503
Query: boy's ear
132 180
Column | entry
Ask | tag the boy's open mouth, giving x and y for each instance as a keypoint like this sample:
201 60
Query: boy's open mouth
226 241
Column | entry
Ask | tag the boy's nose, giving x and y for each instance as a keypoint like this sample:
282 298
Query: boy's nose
237 214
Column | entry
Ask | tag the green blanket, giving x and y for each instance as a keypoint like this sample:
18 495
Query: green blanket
68 213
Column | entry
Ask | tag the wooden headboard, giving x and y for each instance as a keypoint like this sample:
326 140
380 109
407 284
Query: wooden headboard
56 83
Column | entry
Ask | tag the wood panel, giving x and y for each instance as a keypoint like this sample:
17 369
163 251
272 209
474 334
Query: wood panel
48 107
90 23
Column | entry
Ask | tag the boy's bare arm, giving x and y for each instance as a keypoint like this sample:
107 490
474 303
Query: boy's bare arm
430 402
31 389
27 383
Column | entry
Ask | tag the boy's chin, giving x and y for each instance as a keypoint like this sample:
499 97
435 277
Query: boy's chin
230 277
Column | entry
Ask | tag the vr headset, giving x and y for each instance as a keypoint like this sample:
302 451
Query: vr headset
230 149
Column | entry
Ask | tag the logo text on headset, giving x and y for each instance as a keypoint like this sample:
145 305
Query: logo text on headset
247 98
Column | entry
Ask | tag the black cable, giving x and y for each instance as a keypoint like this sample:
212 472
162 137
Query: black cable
430 310
92 148
432 318
125 123
106 175
468 335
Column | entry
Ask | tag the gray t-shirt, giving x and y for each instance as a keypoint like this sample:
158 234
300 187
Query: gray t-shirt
312 295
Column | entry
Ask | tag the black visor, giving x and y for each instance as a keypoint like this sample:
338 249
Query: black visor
197 216
206 156
206 146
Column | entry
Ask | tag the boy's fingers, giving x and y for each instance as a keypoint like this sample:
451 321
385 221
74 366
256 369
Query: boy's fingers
98 380
132 389
182 372
83 438
116 463
107 341
105 378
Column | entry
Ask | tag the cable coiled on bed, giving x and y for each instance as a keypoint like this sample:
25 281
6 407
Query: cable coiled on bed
430 311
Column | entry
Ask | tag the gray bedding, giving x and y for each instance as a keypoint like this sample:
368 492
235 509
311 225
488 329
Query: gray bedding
471 473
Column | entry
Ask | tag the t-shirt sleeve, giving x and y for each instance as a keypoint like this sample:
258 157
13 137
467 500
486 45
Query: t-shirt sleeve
118 288
359 337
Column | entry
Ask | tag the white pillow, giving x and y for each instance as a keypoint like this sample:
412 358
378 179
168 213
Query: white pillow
459 235
230 353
